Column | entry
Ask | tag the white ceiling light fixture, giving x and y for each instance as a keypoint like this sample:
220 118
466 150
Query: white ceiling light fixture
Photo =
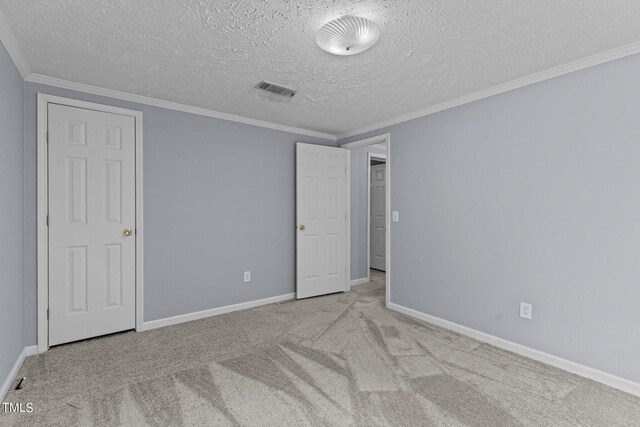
348 35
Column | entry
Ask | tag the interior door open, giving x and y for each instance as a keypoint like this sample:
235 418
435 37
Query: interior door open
377 217
321 220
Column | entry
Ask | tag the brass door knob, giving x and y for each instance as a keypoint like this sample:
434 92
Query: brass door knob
301 227
127 232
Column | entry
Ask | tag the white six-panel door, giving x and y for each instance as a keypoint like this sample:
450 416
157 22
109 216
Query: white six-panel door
377 220
91 164
321 220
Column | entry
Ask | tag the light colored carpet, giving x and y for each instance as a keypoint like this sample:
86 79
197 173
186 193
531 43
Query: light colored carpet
341 359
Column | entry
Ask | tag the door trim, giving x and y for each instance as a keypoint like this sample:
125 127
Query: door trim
347 231
384 138
369 157
42 236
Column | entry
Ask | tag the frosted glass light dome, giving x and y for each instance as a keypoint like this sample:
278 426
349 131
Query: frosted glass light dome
348 35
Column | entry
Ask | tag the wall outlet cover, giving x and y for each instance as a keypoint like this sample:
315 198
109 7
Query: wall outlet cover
247 276
526 310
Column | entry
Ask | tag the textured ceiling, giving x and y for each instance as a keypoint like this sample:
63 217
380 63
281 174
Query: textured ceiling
211 54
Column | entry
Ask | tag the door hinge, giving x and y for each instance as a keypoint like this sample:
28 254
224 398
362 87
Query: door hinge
47 312
47 137
47 220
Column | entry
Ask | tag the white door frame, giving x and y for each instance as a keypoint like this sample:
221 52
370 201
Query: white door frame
43 202
369 157
379 139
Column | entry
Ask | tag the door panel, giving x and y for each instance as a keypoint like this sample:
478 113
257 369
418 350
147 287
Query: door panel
321 210
377 220
91 163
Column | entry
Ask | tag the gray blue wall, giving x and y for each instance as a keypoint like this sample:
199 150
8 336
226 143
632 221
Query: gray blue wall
359 197
532 195
11 218
218 200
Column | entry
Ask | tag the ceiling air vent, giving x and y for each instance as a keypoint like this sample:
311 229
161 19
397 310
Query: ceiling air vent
274 89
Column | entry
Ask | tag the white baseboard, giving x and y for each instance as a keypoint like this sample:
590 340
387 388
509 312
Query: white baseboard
153 324
6 385
558 362
356 282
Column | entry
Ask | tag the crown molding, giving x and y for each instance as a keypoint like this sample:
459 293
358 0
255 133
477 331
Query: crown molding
11 45
9 41
570 67
124 96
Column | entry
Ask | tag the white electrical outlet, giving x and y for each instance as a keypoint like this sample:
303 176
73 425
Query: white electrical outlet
526 310
247 276
395 216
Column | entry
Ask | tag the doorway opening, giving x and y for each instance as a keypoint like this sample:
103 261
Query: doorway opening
369 196
376 217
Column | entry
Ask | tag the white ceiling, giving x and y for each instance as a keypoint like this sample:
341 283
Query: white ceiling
211 54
